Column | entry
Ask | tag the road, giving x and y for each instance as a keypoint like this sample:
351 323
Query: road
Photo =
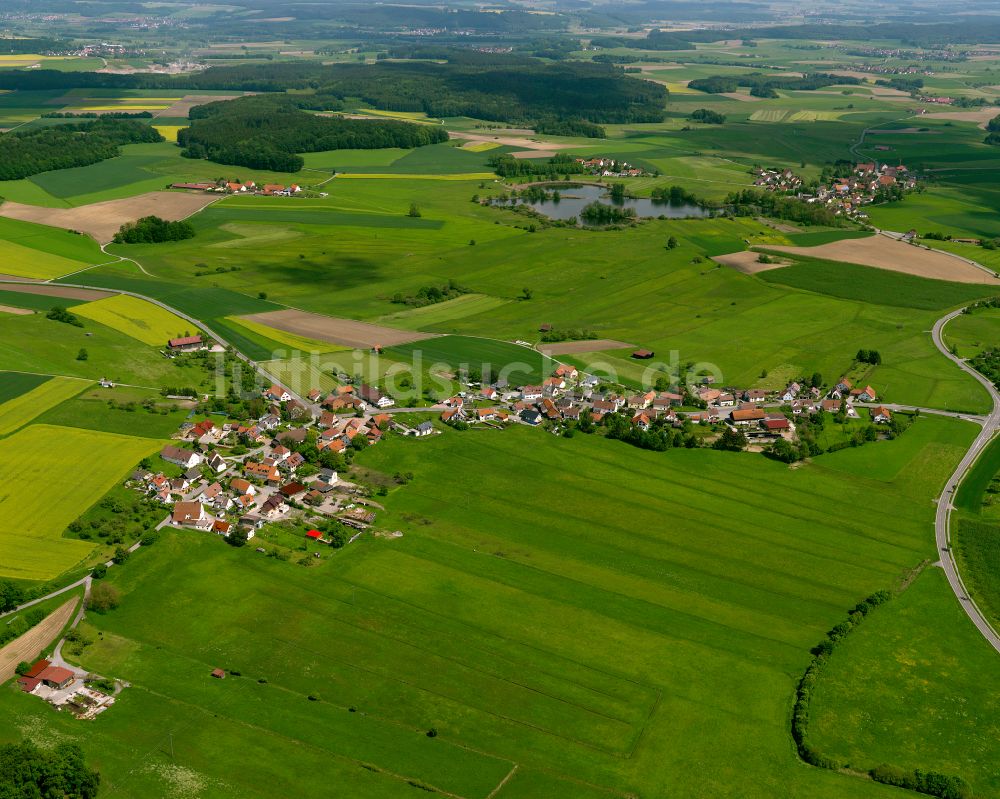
942 519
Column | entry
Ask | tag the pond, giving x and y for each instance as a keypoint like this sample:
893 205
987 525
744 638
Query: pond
573 199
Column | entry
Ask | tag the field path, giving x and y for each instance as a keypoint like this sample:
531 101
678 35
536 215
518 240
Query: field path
30 645
942 519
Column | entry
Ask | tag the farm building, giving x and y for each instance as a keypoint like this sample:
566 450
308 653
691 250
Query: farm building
185 343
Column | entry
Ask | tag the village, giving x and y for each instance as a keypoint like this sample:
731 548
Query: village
234 478
224 186
611 168
869 182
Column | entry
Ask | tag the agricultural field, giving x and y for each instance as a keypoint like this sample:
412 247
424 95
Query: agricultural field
52 347
906 688
137 318
30 401
14 384
33 519
740 610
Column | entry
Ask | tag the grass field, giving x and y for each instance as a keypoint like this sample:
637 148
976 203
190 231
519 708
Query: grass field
14 384
34 511
915 686
24 406
137 318
515 363
971 334
35 302
53 348
95 413
494 628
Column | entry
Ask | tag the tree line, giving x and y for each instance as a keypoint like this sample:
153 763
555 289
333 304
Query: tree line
30 152
28 772
269 132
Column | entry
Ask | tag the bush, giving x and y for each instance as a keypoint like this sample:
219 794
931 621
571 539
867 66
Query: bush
104 597
59 314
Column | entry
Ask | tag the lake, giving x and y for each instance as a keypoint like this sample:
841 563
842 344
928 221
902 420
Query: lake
573 199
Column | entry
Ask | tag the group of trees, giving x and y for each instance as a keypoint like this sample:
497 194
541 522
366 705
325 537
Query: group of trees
601 215
993 131
30 152
569 334
428 295
756 202
264 132
507 166
675 195
570 127
873 357
707 116
153 230
765 85
28 772
60 314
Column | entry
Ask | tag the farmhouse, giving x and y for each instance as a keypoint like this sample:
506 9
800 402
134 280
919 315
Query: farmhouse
373 396
185 344
747 416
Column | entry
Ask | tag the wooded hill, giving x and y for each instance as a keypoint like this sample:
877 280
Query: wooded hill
513 89
27 153
268 132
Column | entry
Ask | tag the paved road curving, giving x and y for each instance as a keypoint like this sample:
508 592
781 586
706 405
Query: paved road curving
942 519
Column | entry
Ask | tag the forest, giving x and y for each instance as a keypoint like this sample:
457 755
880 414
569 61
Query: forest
268 133
486 86
27 153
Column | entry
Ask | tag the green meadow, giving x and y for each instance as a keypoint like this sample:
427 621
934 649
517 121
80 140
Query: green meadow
494 627
907 688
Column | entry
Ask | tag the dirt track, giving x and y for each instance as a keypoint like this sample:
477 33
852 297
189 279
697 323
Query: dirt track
102 220
345 332
15 311
30 645
52 290
573 347
882 252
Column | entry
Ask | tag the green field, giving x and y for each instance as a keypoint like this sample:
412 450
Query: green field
971 334
92 411
494 627
53 348
14 384
515 363
910 688
36 506
30 401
